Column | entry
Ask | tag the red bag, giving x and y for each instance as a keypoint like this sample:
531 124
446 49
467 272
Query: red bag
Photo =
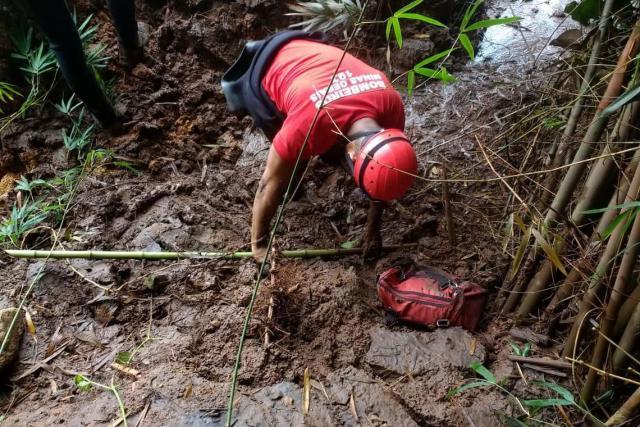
432 297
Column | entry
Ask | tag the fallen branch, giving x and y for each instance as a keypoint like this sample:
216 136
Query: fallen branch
540 362
155 256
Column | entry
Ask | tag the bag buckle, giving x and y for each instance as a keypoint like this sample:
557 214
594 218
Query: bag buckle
442 323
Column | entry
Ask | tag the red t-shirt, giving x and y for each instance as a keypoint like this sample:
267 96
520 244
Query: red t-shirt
296 81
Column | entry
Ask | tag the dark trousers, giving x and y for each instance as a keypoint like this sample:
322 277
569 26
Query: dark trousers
54 20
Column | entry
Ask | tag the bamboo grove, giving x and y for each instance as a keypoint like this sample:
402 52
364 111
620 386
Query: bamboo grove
575 266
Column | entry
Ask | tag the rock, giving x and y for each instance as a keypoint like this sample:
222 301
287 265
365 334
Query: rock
421 352
13 344
256 149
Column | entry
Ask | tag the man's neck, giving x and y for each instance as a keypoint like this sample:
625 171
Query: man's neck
363 125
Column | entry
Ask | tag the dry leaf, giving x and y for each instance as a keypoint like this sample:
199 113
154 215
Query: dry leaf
352 407
306 392
31 328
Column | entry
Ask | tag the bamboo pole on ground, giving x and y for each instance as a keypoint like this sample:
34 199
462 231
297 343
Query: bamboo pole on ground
607 322
594 288
157 256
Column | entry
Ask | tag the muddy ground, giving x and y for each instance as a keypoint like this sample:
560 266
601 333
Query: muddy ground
199 169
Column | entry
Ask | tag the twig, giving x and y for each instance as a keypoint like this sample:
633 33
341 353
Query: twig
447 206
540 362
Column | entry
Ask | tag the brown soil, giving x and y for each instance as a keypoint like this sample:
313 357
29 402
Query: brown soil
200 167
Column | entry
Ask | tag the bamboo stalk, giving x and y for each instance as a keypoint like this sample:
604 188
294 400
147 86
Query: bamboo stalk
155 256
564 147
591 297
607 322
626 410
625 313
594 132
628 341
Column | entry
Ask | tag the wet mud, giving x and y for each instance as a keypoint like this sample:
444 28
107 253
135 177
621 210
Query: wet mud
199 170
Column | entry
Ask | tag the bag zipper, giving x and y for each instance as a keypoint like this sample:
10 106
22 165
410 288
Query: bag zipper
400 294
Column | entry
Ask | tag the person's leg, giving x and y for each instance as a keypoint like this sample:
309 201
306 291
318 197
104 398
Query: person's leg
54 19
123 13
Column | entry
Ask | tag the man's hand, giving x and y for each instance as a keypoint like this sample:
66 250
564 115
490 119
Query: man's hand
259 252
372 241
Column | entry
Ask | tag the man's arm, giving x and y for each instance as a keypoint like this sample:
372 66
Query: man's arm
372 238
272 185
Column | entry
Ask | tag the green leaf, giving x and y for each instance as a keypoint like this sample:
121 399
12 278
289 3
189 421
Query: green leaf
483 372
407 7
550 251
423 18
411 82
625 217
526 349
624 99
388 29
433 58
490 23
563 392
516 349
541 403
585 11
635 204
519 256
441 74
124 357
397 32
82 383
462 388
465 41
470 12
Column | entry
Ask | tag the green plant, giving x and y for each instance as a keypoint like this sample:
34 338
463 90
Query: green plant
7 93
325 15
22 219
520 351
67 107
629 210
439 72
84 384
77 138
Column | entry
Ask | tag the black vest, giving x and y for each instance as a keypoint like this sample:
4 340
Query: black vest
242 83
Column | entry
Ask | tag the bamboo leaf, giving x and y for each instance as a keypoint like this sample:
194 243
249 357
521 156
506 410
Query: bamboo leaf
407 7
465 41
563 392
468 14
522 249
541 403
515 348
624 99
483 372
411 82
518 220
441 74
486 23
625 216
634 204
549 251
462 388
423 18
433 58
397 31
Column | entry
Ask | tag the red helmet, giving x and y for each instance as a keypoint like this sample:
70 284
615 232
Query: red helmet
386 165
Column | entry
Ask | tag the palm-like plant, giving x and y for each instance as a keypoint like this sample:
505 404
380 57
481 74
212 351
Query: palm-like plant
325 14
